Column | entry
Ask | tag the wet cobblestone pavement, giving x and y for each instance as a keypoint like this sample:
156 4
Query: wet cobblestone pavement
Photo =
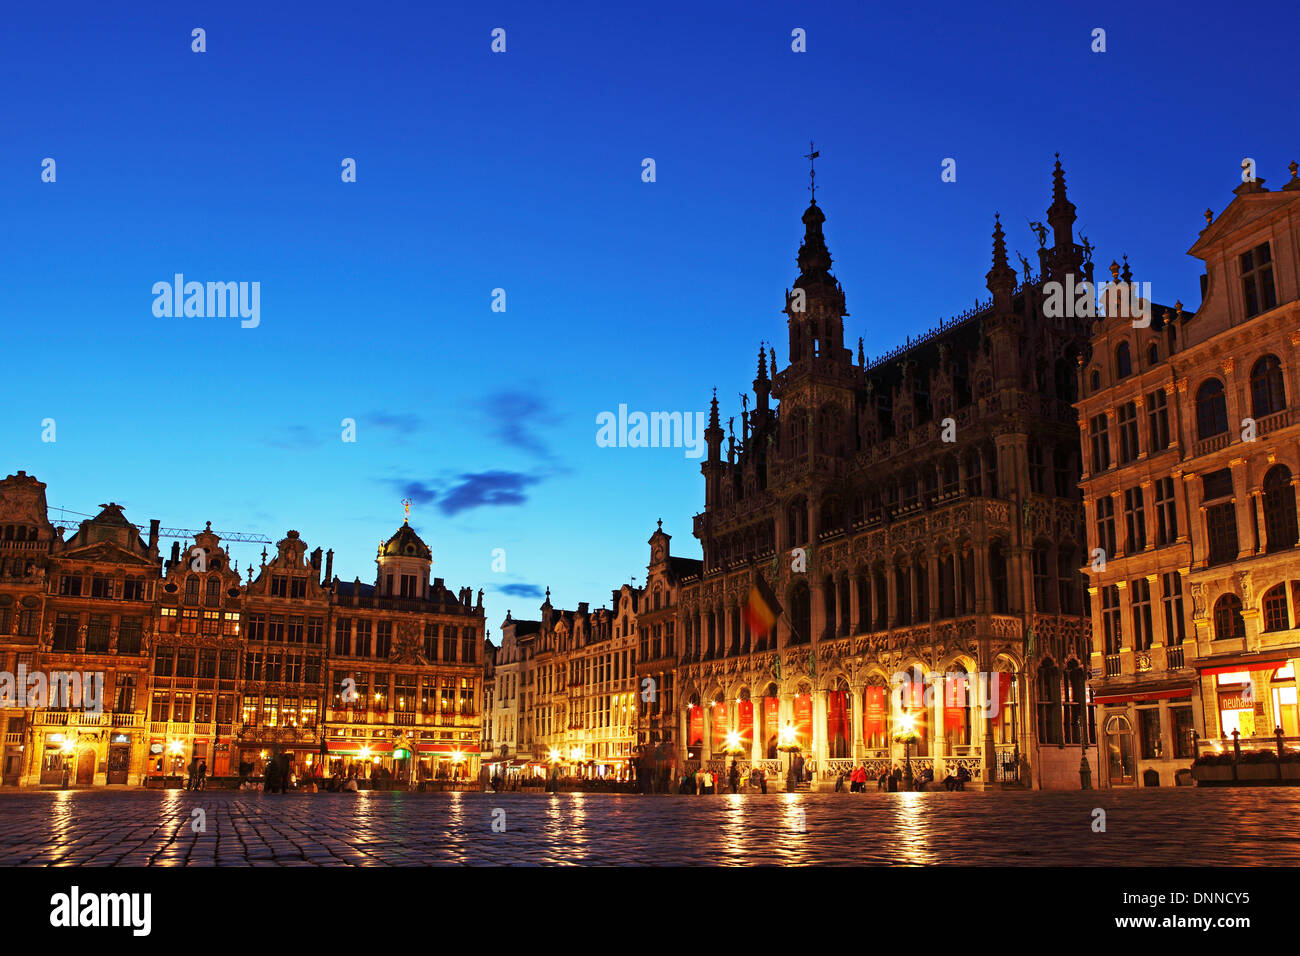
1143 827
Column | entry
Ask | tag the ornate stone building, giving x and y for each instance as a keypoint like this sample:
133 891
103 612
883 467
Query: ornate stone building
565 689
282 691
26 539
195 667
656 659
916 515
97 620
413 652
1191 461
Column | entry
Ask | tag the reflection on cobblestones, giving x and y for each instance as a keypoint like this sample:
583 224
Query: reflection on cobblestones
1144 827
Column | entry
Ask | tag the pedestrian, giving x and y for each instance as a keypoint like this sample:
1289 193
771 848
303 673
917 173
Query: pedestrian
286 771
203 775
734 777
271 776
193 772
762 780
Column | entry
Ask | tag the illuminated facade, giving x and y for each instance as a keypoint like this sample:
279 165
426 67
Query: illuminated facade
406 662
194 694
1191 461
917 515
96 619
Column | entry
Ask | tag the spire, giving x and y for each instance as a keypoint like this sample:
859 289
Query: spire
814 257
762 365
772 352
862 360
713 434
1128 273
1060 215
1001 278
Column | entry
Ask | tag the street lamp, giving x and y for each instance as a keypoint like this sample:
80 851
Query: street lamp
175 747
905 735
789 744
69 747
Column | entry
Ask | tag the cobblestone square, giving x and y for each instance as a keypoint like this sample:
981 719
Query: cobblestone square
1143 827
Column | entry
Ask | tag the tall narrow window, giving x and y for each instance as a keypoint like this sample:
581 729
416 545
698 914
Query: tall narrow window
1127 419
1172 600
1111 621
1211 409
1099 429
1166 512
1279 509
1106 525
1257 280
1135 522
1140 589
1276 616
1123 361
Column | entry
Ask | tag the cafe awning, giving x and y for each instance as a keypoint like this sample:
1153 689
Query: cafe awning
354 746
1243 662
1141 692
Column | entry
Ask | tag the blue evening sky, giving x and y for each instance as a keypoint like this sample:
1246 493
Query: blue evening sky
522 171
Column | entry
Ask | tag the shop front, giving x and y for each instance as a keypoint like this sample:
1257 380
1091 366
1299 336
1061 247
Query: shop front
1148 735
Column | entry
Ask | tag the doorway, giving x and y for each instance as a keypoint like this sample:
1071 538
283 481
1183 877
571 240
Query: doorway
86 767
118 760
1119 746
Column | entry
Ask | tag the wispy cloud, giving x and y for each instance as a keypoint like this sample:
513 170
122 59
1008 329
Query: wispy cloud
394 421
515 417
294 438
521 590
483 489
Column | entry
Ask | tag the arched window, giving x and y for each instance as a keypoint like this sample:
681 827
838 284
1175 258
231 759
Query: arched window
1279 509
1267 391
1211 409
800 613
998 576
839 720
1153 354
1049 703
1123 361
1276 615
1094 381
956 706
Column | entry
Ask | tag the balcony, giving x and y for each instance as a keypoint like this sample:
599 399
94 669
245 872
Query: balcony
1174 658
1113 668
1213 443
1271 423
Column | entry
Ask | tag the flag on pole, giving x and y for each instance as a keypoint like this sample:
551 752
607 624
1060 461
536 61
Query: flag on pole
762 609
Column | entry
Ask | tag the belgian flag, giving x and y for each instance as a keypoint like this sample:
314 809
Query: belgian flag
762 609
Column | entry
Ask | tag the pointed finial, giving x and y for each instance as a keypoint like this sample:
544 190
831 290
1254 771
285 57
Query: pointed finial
1209 217
207 526
762 364
862 362
1114 270
1128 273
1294 169
812 170
406 503
661 524
773 354
1178 307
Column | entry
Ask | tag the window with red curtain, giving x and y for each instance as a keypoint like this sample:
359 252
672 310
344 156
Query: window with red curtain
696 732
955 723
803 720
771 725
837 724
745 717
719 717
873 724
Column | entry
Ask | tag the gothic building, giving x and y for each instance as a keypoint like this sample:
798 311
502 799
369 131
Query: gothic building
919 519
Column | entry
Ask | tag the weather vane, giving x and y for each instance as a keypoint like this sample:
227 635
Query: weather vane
406 503
812 169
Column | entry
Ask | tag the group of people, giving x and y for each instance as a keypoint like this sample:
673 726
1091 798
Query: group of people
705 781
197 775
894 780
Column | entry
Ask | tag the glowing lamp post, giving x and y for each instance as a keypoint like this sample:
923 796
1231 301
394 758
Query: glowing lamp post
69 747
176 747
906 735
789 744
